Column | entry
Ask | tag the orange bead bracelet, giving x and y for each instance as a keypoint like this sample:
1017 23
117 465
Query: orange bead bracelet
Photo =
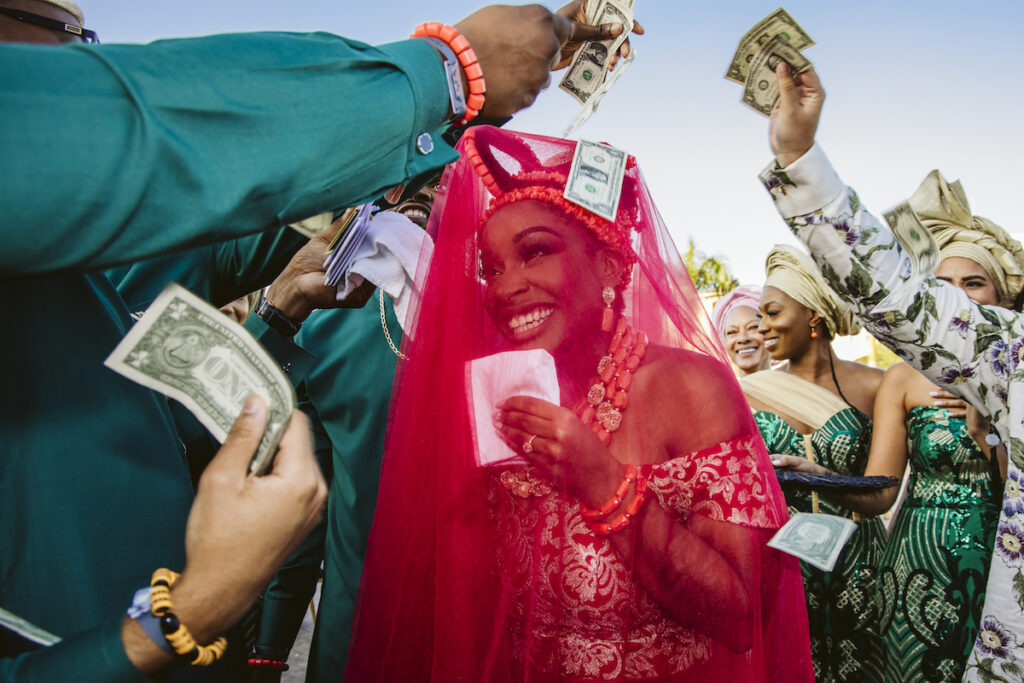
467 60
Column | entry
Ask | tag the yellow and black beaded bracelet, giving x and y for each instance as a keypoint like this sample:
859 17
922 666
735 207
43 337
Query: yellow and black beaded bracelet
176 634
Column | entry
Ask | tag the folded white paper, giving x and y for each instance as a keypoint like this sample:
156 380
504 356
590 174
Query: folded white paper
496 378
388 256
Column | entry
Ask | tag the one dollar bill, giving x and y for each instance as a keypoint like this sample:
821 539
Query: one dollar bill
595 178
188 350
761 90
590 107
917 241
778 23
816 539
314 225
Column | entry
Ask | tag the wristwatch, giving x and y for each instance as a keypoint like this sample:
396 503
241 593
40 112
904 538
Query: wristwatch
275 318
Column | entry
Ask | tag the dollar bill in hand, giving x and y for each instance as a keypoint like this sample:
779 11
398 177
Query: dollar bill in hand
595 178
761 90
345 245
188 350
589 65
816 539
778 23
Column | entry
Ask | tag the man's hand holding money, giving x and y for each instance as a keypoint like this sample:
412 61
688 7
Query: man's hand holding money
300 288
580 11
517 46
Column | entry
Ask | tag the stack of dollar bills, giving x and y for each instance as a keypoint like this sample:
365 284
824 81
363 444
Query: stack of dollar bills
774 38
585 79
346 244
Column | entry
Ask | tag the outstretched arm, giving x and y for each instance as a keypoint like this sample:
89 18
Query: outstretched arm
935 327
181 143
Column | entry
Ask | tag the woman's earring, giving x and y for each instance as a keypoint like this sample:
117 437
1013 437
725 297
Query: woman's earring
608 317
814 333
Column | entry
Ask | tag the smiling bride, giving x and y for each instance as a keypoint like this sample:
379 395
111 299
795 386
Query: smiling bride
626 539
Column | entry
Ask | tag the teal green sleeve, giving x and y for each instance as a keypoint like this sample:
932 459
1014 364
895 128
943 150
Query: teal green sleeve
95 655
293 359
218 273
117 153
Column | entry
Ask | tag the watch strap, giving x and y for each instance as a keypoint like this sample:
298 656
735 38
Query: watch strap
453 74
273 317
141 614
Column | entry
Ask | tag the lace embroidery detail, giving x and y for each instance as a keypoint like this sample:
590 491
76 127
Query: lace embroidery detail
722 482
523 483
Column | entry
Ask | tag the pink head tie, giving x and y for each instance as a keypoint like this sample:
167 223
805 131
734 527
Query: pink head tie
747 295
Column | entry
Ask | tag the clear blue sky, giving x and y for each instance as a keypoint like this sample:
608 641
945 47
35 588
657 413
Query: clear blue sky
912 85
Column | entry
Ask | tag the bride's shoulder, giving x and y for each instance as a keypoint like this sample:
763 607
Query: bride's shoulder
693 395
684 365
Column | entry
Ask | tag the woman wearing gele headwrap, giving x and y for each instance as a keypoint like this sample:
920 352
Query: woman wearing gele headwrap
818 408
620 534
737 319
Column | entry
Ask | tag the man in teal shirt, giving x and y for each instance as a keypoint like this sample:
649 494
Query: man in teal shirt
114 154
348 389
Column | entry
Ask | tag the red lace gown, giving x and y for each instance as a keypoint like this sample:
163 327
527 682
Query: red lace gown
577 608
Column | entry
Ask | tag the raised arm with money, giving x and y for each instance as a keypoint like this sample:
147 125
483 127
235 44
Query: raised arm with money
776 38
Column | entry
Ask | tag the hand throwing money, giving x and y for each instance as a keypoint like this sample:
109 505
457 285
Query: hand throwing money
776 37
585 77
186 349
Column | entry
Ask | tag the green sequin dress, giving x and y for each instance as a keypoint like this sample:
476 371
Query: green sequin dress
932 575
846 642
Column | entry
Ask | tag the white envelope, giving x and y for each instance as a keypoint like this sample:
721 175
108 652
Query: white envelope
498 377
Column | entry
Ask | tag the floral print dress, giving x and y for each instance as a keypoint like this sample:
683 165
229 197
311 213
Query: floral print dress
972 350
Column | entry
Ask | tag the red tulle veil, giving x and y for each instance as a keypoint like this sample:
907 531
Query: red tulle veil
467 579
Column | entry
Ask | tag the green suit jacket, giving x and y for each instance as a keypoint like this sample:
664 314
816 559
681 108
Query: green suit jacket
147 150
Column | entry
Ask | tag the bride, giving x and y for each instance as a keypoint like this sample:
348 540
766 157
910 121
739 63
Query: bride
626 541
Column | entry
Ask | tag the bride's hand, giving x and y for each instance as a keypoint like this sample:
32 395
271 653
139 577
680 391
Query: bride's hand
565 450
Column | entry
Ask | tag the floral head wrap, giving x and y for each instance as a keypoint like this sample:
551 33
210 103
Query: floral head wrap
792 271
747 295
512 172
943 209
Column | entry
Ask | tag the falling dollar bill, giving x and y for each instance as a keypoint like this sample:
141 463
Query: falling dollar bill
188 350
778 23
917 241
761 90
816 539
589 65
595 178
590 107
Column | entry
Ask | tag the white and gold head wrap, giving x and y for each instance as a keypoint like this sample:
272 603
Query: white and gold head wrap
943 209
793 272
